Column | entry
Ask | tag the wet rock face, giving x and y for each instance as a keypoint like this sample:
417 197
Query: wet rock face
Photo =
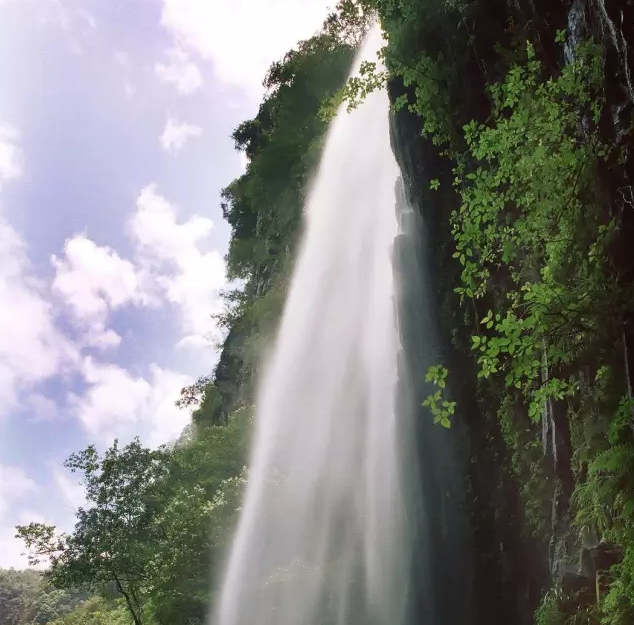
510 572
503 572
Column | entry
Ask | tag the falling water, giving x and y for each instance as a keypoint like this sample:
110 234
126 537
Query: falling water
321 535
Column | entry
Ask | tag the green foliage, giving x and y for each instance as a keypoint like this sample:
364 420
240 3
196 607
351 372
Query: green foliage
529 232
204 399
28 598
18 594
154 523
368 79
523 439
96 611
349 21
113 536
560 608
196 530
280 143
605 507
532 238
441 408
560 37
617 606
264 207
430 72
549 612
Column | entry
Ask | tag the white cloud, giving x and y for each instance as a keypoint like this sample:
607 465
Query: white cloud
179 71
117 404
92 281
244 161
189 277
15 485
10 154
242 38
41 408
169 265
72 492
176 134
92 278
12 549
32 348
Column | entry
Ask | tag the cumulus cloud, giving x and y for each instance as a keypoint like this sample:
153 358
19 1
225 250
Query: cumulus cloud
15 487
242 38
171 251
67 484
12 550
176 134
179 71
40 407
169 265
119 404
32 348
92 281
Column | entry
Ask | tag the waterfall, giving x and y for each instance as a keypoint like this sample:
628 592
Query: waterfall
322 537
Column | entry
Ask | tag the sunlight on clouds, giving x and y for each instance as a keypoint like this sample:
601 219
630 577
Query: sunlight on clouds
179 71
118 404
40 408
195 278
15 484
12 550
159 236
67 483
113 397
32 349
15 487
242 38
176 134
169 265
92 281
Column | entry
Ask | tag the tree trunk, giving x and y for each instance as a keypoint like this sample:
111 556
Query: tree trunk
128 600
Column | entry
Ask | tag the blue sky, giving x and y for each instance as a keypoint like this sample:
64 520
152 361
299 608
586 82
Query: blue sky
115 124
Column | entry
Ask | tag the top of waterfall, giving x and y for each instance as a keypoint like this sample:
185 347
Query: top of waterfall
374 42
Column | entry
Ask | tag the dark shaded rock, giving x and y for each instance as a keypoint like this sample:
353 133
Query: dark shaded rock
510 571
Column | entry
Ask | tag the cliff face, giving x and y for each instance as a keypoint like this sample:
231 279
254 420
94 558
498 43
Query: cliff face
482 570
513 563
532 488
